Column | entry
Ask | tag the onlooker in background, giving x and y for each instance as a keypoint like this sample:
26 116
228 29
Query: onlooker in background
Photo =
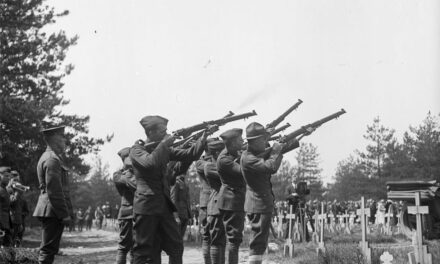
16 212
88 217
99 216
80 219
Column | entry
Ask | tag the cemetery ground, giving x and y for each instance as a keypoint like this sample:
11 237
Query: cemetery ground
99 246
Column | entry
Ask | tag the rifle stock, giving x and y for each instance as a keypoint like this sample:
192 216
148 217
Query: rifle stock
280 119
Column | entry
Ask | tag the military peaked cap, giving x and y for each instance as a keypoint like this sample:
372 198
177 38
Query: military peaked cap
123 153
53 130
215 145
255 130
231 133
149 122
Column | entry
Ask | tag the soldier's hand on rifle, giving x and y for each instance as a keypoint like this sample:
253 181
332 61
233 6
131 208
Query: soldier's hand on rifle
168 140
276 148
204 135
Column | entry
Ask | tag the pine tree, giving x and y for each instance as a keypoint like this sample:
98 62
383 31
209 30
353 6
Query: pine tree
308 169
32 68
380 139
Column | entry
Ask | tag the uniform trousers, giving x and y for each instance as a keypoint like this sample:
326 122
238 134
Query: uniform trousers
206 238
260 226
17 234
146 230
218 239
52 229
234 224
126 241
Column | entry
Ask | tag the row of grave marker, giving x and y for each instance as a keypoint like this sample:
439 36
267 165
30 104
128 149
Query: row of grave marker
420 254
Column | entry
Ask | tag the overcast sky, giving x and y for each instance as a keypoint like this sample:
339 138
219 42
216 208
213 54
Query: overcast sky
191 61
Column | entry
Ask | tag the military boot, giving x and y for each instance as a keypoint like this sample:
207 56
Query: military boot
217 254
255 259
232 250
205 251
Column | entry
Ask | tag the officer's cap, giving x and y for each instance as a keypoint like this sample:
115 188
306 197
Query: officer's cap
123 153
255 130
50 131
150 122
215 145
231 134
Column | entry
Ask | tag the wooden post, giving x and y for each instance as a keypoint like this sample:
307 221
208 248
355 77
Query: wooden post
347 224
288 245
421 252
315 236
322 219
363 212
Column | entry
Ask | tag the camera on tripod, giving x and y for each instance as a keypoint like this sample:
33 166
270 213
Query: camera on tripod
299 194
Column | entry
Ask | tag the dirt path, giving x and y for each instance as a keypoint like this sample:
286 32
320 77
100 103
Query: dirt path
99 246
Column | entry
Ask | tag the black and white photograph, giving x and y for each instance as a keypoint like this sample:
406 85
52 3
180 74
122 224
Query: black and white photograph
220 132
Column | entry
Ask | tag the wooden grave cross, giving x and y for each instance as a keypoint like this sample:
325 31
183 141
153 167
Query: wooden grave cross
346 225
288 245
315 236
363 213
332 223
280 224
340 224
388 216
421 252
322 218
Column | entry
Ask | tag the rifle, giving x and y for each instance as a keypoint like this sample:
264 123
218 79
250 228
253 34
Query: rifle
185 132
281 128
209 126
306 130
278 120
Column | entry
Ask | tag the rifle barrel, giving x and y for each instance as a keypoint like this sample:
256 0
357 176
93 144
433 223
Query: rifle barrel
280 119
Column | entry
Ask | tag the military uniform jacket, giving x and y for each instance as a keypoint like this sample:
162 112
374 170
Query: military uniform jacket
214 182
233 189
181 199
152 194
4 209
257 172
125 183
54 199
206 189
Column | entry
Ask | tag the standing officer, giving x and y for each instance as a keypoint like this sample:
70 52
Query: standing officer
152 206
259 203
215 223
125 183
232 192
54 208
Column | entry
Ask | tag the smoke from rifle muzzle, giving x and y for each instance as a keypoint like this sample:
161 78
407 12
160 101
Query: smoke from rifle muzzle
250 100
